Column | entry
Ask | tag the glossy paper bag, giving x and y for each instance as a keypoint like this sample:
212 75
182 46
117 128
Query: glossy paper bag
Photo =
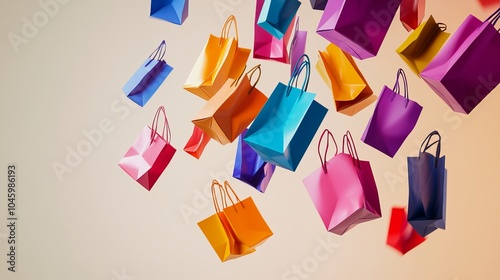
423 44
197 142
343 190
227 114
148 78
150 153
175 11
401 235
276 16
350 90
265 45
221 59
287 123
393 119
473 46
427 188
357 26
250 168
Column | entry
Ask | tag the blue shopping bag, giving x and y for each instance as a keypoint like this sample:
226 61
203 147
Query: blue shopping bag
175 11
149 77
287 123
277 15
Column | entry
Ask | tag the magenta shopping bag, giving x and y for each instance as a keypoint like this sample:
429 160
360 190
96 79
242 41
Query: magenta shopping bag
298 46
393 119
466 69
265 45
357 26
150 154
343 190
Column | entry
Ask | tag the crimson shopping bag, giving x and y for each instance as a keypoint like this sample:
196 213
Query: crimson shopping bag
286 125
343 190
357 26
474 47
150 153
149 77
401 235
427 188
197 142
411 13
393 119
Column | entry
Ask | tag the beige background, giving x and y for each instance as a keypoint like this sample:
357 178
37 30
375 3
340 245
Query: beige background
97 223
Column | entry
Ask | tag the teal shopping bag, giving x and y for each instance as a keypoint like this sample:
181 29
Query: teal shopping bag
287 123
277 15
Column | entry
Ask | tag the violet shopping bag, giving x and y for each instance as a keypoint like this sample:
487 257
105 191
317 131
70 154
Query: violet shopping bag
175 11
265 45
298 45
357 26
149 77
250 168
276 16
343 190
473 46
427 188
218 231
286 125
393 119
150 153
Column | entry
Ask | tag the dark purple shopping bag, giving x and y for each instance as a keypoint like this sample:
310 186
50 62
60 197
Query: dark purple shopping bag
357 26
393 119
467 68
318 4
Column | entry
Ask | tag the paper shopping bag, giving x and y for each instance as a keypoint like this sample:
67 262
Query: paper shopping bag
149 77
351 92
197 142
175 11
427 188
318 4
343 189
248 225
423 44
357 26
150 153
401 235
227 114
473 46
411 13
218 231
393 119
250 168
286 125
221 59
487 3
265 45
276 16
298 46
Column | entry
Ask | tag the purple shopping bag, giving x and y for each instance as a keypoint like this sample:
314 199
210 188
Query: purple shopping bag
298 45
357 26
466 69
318 4
393 119
343 190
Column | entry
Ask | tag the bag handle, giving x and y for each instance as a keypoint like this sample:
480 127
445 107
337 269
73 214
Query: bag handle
302 62
493 18
226 187
442 26
348 141
227 27
251 72
397 88
159 53
323 159
427 143
214 195
166 126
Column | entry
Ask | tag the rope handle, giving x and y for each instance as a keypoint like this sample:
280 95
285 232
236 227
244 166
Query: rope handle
427 143
348 141
159 53
323 159
228 187
227 28
166 126
397 88
302 62
250 72
214 195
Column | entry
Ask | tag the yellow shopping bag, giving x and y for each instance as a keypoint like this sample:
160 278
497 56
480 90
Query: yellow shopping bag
423 44
350 89
220 60
219 233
